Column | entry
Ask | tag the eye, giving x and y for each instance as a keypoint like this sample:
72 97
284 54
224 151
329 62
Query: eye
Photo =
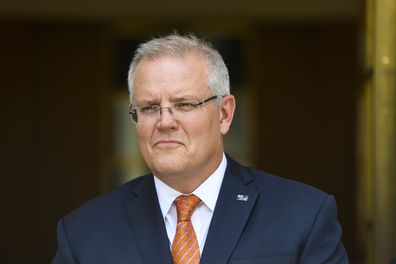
148 109
186 105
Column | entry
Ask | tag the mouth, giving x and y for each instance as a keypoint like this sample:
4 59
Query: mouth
167 143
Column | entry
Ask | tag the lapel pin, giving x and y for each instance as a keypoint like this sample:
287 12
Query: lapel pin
243 198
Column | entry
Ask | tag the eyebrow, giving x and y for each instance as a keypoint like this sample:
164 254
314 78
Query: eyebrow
175 99
146 101
184 97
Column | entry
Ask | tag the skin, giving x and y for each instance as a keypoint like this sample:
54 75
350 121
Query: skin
182 152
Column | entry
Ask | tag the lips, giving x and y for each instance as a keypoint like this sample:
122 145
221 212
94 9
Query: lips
167 143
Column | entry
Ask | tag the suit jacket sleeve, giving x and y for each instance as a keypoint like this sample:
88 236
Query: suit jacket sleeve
324 241
63 254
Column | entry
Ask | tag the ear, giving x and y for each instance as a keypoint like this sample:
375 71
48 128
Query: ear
227 109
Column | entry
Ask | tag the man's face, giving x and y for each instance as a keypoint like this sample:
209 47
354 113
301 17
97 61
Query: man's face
188 146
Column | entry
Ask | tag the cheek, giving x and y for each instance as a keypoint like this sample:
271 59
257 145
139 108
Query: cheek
143 136
203 131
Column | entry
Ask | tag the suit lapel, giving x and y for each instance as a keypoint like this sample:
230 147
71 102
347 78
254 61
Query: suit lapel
147 223
236 199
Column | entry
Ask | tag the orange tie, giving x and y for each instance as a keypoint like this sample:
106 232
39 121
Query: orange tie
185 248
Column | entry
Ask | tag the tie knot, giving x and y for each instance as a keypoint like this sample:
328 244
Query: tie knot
185 205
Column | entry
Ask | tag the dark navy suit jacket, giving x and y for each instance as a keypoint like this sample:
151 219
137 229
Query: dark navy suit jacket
273 221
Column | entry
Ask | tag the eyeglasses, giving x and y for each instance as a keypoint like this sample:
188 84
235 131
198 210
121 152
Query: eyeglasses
151 113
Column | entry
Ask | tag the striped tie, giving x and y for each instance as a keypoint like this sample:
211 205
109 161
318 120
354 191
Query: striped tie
185 248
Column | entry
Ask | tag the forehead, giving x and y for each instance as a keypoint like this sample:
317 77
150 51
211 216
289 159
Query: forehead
170 74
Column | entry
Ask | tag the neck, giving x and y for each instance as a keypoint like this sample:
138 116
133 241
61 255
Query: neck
187 182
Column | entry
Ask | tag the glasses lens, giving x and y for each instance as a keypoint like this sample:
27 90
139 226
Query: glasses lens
180 110
134 115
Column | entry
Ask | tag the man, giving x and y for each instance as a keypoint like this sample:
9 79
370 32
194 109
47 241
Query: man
197 205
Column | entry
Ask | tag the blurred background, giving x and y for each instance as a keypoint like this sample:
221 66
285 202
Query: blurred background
315 85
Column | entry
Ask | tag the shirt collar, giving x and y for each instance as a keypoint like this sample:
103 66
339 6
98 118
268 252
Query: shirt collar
208 191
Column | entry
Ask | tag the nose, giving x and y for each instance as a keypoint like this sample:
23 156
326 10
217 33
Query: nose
167 118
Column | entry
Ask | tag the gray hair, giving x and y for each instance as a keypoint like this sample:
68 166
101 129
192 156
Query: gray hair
180 46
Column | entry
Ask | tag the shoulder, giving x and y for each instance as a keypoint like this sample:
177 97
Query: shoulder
106 205
98 223
281 192
294 216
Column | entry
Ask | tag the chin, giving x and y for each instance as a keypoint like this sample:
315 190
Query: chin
169 164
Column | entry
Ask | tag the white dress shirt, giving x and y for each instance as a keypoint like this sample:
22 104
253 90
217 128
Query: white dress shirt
208 192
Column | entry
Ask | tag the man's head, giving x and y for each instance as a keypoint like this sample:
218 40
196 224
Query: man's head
180 101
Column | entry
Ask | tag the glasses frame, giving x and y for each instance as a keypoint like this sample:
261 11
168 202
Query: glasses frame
133 110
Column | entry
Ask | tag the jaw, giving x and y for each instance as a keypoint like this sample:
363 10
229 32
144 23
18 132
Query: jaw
182 170
167 160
